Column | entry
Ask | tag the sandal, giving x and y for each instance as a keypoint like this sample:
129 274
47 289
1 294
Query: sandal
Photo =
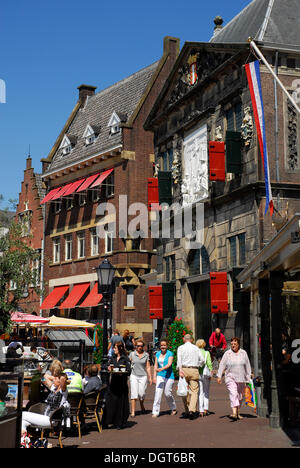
174 412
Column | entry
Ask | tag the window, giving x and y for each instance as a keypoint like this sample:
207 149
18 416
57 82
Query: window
173 267
170 263
114 124
69 203
25 221
94 243
36 273
57 206
82 199
81 245
109 185
237 250
199 263
167 263
56 250
234 118
166 161
130 296
95 194
68 247
66 145
108 242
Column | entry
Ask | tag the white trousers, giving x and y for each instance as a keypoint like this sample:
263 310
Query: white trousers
36 420
163 385
204 386
138 387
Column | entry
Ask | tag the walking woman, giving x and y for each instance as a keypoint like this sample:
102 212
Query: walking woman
140 373
205 373
236 365
163 377
116 411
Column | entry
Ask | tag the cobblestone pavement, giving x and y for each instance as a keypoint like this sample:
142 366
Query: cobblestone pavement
214 431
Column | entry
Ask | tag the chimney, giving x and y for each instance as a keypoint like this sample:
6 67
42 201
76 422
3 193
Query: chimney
84 92
218 25
171 46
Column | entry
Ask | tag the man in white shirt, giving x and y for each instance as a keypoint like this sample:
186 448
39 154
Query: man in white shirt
189 359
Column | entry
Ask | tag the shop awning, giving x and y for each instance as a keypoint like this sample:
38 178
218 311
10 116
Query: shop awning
93 299
54 297
102 177
61 192
87 182
19 317
73 187
75 296
49 195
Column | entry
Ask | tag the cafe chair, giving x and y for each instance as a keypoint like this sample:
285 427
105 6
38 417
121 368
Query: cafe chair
56 420
93 405
76 400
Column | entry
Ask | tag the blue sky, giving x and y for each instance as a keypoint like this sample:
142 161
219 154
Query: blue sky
48 48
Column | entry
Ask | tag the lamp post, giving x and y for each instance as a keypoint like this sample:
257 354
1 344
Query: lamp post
106 273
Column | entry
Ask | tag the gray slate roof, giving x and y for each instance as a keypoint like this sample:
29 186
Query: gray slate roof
268 21
122 98
39 184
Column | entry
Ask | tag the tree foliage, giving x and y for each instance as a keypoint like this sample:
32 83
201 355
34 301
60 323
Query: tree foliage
16 272
98 344
175 335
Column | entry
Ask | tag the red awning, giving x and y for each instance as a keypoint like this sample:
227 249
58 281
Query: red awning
74 296
61 192
88 182
73 187
93 299
102 177
51 194
54 297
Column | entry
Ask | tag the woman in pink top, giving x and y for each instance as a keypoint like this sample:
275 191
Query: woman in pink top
236 365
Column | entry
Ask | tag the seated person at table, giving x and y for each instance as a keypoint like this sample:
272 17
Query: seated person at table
75 378
57 397
3 393
94 382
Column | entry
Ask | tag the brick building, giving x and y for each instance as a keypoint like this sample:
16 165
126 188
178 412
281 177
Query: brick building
29 213
206 99
103 153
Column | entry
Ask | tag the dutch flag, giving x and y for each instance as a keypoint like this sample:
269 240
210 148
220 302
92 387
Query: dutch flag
253 75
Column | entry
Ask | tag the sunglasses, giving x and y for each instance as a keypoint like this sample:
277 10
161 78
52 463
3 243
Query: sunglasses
139 346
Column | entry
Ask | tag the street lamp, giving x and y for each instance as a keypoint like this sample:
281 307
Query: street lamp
106 274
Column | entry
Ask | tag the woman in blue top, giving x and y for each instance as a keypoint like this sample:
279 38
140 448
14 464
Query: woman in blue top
163 377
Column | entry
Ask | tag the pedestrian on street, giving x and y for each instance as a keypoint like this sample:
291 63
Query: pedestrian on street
116 410
236 365
189 359
141 372
128 340
205 379
116 337
164 380
218 343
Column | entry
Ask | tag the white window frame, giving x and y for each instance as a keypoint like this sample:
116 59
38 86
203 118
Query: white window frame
109 241
68 249
94 243
56 250
81 246
130 296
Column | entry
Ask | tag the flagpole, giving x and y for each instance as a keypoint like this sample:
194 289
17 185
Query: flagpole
254 46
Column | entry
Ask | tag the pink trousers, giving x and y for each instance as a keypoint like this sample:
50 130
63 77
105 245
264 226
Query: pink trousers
236 392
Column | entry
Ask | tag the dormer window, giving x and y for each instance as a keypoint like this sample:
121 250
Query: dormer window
90 134
114 123
66 145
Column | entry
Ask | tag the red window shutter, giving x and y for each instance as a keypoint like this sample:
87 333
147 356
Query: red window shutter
155 302
218 293
153 194
217 160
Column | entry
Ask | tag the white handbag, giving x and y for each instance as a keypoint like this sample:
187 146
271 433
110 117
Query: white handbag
182 389
206 371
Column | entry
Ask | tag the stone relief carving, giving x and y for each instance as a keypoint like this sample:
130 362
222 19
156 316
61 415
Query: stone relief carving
247 127
292 138
219 134
195 172
204 62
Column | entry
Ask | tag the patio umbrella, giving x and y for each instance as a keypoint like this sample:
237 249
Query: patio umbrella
21 318
61 322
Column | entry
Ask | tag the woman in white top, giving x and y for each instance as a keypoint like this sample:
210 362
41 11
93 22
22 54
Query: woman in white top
140 373
236 365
